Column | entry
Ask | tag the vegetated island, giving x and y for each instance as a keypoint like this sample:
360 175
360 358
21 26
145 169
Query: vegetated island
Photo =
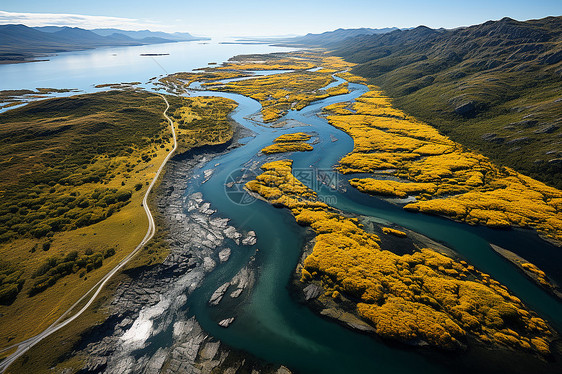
154 54
530 270
295 142
445 177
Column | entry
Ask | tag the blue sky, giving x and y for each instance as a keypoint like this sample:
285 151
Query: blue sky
253 17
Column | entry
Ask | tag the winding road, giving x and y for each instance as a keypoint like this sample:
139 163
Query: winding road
62 321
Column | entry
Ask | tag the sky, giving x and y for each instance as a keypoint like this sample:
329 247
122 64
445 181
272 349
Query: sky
221 18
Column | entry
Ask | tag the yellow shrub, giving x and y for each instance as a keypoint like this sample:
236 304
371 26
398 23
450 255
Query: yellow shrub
391 231
414 297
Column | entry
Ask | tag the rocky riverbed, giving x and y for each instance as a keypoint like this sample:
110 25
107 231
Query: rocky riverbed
150 307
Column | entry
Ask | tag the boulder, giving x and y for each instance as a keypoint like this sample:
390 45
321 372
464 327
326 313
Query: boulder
217 296
467 109
226 322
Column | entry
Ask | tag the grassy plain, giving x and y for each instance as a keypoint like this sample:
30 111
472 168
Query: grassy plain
59 155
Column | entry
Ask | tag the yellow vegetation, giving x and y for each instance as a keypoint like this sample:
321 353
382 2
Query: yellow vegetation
538 274
202 121
294 137
424 296
391 231
294 142
287 147
120 230
450 180
268 63
276 93
282 92
391 188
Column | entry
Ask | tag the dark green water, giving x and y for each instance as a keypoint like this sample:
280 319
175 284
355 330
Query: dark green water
272 326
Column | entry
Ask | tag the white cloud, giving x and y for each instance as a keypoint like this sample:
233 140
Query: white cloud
77 20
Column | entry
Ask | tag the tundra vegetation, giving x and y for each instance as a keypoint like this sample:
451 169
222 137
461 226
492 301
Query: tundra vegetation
395 292
418 298
277 93
280 93
295 142
201 121
445 177
74 173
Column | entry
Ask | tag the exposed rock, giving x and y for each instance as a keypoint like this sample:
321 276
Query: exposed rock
226 322
244 279
224 255
154 298
208 263
207 175
283 370
525 123
220 223
250 238
312 291
546 129
467 109
217 296
522 139
347 318
209 351
491 137
205 209
231 233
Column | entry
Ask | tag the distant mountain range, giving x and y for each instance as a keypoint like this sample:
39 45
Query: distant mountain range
142 34
336 36
19 43
495 87
178 36
315 40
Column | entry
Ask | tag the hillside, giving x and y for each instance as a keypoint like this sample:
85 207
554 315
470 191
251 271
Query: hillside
19 43
493 87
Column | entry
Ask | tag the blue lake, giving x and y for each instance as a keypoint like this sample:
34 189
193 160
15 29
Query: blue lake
83 70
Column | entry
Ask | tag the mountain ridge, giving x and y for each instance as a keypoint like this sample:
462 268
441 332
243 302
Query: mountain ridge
20 43
494 87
